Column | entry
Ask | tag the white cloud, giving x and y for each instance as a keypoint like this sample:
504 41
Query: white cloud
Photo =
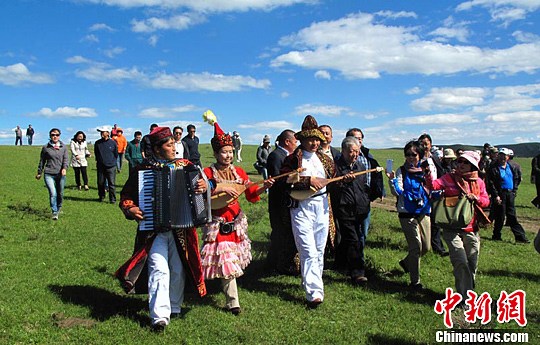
525 37
284 94
450 98
100 73
153 40
437 119
90 38
413 91
505 11
100 27
112 52
323 75
177 22
267 125
451 30
531 117
207 82
206 5
166 112
324 110
19 74
61 112
360 48
396 15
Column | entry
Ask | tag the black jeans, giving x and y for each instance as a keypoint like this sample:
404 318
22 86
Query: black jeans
109 175
507 210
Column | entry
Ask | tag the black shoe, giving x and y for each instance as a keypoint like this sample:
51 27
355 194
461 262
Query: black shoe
359 280
159 326
315 303
176 315
443 254
416 287
496 238
404 266
101 199
523 240
235 311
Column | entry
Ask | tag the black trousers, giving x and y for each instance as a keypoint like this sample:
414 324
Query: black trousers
108 175
351 246
507 210
78 172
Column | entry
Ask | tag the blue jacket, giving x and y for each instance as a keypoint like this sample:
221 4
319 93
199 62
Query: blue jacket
106 152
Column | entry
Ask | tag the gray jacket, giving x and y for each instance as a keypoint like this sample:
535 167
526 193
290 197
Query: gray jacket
52 160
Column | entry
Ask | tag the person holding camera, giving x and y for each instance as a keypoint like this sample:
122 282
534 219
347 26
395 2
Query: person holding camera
226 251
408 185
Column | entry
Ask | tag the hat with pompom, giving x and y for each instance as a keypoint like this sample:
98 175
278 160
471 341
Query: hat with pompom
310 129
220 138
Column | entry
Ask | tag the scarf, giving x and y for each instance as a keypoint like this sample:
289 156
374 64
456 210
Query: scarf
56 145
467 182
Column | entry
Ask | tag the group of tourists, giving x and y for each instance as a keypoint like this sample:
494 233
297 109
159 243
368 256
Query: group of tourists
318 203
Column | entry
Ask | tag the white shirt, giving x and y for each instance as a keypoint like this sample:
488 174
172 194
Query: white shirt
179 147
313 166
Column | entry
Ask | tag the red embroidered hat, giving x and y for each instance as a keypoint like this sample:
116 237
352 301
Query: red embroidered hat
158 134
220 138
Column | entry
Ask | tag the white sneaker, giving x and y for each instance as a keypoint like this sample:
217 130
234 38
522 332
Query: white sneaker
55 216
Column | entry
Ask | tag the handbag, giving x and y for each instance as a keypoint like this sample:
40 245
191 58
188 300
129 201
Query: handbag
452 212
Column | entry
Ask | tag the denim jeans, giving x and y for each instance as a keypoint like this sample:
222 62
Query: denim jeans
119 161
55 185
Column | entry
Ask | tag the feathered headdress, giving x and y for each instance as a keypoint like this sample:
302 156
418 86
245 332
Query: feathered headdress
220 138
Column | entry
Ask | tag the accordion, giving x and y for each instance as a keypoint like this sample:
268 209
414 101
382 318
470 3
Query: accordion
168 201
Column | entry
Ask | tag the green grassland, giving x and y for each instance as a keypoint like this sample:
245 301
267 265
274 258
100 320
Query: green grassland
57 285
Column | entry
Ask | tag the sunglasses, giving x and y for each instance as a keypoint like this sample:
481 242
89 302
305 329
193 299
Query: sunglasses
411 154
177 133
55 135
463 161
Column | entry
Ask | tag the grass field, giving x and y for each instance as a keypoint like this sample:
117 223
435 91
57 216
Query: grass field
57 286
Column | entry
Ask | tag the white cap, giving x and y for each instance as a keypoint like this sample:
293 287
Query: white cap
103 129
506 151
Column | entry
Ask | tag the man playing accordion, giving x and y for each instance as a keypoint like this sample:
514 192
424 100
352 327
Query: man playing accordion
169 255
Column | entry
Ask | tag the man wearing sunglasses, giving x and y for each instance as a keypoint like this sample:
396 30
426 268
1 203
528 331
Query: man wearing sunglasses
181 150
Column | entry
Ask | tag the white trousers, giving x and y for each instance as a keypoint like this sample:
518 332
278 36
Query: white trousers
166 278
310 222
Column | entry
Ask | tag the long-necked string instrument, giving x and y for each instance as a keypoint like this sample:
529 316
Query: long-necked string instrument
222 199
307 193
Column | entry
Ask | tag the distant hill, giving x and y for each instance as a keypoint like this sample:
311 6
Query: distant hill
520 150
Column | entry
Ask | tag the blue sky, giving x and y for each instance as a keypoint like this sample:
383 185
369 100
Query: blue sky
463 71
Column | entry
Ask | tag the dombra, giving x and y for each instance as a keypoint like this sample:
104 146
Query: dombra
300 195
223 199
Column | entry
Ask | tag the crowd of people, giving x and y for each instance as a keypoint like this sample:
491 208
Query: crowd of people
319 206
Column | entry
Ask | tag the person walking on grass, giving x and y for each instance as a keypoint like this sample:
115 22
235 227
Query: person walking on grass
79 155
407 183
463 244
170 257
133 151
226 250
106 153
30 135
53 163
18 135
503 180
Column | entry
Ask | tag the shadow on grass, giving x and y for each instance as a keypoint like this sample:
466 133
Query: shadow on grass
24 209
103 304
91 198
382 339
384 244
517 275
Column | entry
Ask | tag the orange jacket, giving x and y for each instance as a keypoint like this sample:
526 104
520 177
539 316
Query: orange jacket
121 141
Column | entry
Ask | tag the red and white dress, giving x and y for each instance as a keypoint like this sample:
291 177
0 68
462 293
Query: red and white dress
227 255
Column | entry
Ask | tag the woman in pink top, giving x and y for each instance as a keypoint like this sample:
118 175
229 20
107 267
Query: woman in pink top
463 244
